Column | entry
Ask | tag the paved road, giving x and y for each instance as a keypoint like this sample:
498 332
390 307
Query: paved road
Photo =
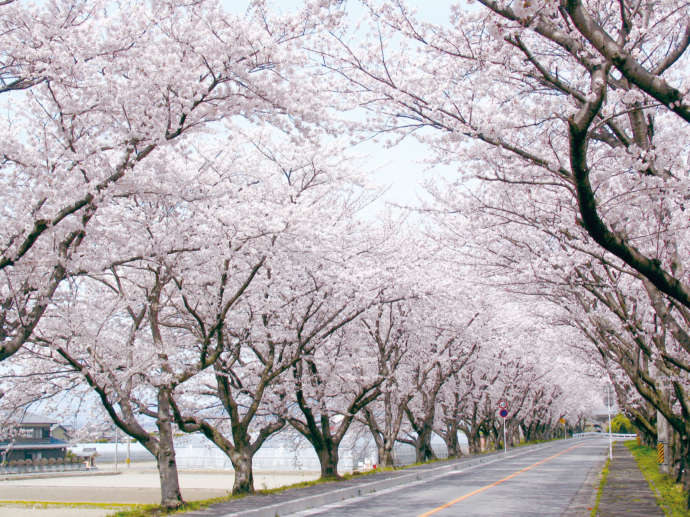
535 483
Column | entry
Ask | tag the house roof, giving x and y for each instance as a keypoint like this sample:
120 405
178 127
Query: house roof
31 419
52 444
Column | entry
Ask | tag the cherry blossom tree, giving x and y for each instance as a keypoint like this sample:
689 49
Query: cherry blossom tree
465 404
448 345
224 221
343 375
304 294
571 97
94 90
130 332
389 326
331 387
249 378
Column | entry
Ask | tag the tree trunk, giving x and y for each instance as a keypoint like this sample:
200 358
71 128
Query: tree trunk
514 437
452 444
244 472
474 443
683 474
528 432
385 451
171 496
328 458
423 450
663 435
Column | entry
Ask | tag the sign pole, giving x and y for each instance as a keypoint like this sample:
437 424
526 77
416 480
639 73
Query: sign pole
503 405
505 442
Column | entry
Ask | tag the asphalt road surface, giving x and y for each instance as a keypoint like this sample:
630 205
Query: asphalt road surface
534 483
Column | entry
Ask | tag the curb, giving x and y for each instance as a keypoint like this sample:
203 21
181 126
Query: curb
340 494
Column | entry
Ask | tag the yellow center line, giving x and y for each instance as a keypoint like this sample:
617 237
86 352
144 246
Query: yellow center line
496 483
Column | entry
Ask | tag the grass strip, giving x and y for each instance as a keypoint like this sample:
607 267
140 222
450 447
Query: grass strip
669 494
154 510
602 483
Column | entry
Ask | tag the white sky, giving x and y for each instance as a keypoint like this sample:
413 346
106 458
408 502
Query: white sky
401 169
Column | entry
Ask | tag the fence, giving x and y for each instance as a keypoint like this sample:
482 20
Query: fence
287 454
42 465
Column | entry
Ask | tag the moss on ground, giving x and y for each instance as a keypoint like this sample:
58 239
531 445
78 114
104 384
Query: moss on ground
602 483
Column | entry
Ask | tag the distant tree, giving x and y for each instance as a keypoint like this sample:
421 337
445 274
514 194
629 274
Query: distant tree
621 424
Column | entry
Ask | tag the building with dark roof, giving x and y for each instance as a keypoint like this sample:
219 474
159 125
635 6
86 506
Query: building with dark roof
29 438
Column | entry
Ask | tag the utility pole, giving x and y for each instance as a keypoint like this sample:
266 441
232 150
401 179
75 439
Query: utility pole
115 448
608 402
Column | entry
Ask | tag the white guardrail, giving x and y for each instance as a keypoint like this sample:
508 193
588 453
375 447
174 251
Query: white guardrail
617 436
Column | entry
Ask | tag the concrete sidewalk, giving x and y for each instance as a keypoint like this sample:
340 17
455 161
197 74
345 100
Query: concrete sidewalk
627 492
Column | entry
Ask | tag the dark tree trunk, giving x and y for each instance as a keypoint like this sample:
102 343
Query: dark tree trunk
452 444
423 450
328 459
385 437
244 472
474 443
171 496
528 432
385 451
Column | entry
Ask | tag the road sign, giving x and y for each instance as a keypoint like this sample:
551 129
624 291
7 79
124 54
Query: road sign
503 412
503 404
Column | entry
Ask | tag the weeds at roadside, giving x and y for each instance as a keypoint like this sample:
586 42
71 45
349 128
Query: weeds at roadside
669 494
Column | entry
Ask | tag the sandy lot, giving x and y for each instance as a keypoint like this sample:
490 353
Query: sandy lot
136 484
28 511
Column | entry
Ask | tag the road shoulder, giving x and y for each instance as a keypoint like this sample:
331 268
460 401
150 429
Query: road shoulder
585 499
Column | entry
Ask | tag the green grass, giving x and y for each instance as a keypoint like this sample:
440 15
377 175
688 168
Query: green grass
602 484
536 442
669 494
154 510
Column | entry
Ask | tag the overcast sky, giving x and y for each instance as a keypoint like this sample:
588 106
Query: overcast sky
399 169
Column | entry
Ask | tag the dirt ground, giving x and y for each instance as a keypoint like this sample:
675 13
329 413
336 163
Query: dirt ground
36 511
130 485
